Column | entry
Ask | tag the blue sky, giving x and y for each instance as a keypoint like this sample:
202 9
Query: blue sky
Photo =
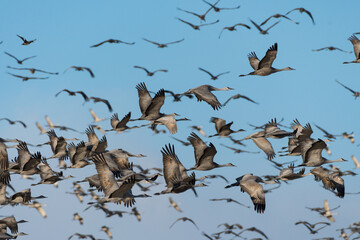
65 31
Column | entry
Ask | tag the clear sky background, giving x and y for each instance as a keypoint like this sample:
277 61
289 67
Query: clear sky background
65 30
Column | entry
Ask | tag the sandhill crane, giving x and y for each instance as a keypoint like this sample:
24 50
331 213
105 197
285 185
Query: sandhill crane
278 16
11 223
327 134
51 126
254 229
229 200
197 27
233 28
212 176
77 68
169 121
287 174
42 130
150 74
312 226
73 93
204 155
18 60
217 9
236 150
182 142
13 122
203 93
356 44
77 217
82 236
150 107
311 153
223 129
213 77
23 197
163 45
199 129
237 96
184 219
175 175
112 41
264 67
113 191
232 226
325 211
136 213
4 165
26 163
95 117
262 31
9 236
25 42
77 155
356 162
331 48
39 207
355 93
106 230
48 176
105 101
33 70
202 16
250 184
25 78
174 205
301 10
58 145
330 180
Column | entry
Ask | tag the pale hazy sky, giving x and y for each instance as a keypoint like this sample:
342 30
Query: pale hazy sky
65 30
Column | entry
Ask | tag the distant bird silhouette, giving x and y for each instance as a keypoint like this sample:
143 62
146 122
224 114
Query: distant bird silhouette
95 117
184 219
33 70
73 93
331 48
233 28
81 69
229 200
199 129
202 16
355 94
26 42
96 99
13 122
312 226
150 74
356 44
278 16
17 60
327 134
163 45
112 41
196 27
261 30
264 67
236 150
237 96
356 162
217 9
213 77
24 78
174 205
301 10
106 230
254 229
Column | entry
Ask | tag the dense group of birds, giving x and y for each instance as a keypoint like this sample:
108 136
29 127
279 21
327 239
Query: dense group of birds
115 176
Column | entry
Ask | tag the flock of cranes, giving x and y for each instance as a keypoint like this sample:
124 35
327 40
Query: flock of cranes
115 178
